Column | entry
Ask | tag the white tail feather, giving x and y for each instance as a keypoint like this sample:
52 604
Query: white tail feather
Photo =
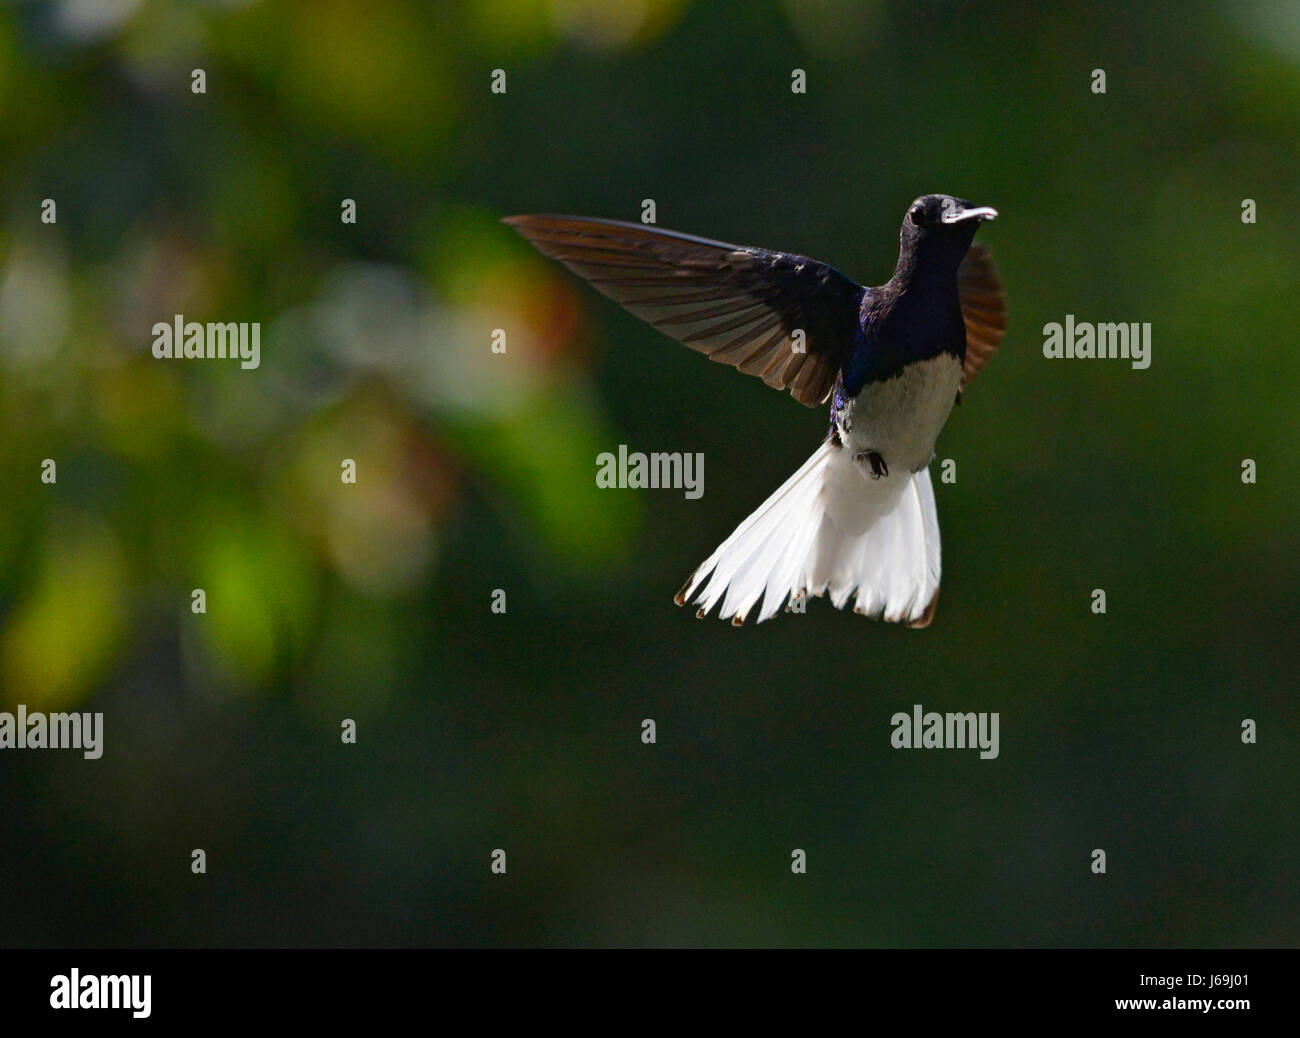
829 528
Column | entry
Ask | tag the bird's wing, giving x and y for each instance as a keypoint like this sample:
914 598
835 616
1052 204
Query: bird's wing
983 306
738 305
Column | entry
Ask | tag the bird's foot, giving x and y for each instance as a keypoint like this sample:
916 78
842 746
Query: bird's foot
873 460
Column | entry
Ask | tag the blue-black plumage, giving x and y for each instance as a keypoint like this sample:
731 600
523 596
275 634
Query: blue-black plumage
859 515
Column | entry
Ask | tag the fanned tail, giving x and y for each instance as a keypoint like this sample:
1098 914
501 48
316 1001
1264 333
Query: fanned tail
829 528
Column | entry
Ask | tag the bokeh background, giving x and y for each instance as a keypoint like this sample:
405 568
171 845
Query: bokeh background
476 472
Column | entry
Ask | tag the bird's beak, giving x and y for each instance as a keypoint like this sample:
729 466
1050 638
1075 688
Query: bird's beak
981 213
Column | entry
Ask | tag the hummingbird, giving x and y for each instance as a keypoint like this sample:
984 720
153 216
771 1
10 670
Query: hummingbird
858 519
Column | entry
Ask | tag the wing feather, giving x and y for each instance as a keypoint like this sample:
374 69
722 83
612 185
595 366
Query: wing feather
983 307
737 305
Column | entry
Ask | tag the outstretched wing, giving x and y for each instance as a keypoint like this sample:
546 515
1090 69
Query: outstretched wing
741 306
983 306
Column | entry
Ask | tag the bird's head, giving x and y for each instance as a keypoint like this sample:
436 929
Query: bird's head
941 226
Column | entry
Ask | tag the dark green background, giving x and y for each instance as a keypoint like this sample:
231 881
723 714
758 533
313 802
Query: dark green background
476 472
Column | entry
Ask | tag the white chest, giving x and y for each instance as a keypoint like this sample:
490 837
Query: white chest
900 419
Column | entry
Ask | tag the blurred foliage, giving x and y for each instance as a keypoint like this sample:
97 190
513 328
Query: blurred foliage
476 472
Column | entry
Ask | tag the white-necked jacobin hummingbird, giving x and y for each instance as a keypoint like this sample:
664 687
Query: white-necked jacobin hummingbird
859 515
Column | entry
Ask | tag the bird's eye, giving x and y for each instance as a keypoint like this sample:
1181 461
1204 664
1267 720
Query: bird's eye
916 214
